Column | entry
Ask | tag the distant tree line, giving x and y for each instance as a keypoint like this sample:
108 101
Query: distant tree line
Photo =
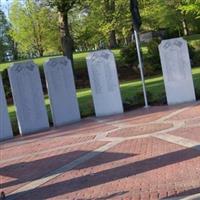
43 27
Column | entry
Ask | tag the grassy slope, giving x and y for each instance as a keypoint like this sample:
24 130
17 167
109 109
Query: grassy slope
79 60
192 37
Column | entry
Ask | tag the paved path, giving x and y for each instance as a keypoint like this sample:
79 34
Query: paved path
146 154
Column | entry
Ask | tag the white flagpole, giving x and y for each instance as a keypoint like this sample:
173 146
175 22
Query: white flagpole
141 67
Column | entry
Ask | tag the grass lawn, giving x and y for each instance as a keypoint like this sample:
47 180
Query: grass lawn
79 60
192 37
129 91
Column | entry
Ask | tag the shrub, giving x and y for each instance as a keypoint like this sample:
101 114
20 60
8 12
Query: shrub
128 55
6 84
196 59
136 101
197 92
194 51
162 100
196 45
139 98
153 57
42 77
191 51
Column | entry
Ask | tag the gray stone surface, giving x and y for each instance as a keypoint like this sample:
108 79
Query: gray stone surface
177 71
62 91
5 125
146 37
28 97
104 83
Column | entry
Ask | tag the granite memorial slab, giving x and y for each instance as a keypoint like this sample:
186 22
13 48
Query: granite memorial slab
104 83
28 97
177 72
5 125
62 91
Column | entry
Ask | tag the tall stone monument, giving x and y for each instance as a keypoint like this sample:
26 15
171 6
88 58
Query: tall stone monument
28 97
177 72
104 83
5 125
62 91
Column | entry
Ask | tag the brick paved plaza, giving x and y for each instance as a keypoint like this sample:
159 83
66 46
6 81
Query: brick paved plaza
145 154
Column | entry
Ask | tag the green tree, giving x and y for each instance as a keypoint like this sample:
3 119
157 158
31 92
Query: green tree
5 40
191 6
63 8
34 28
174 14
149 10
105 21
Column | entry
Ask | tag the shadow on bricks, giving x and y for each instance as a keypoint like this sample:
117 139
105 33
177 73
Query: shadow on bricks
187 193
108 175
29 171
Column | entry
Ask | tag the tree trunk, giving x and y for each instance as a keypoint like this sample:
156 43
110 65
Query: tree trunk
110 9
41 52
15 51
67 42
112 39
185 27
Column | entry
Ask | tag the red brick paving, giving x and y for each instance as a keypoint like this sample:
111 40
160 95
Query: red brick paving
146 114
138 168
192 133
193 112
140 130
37 146
193 121
149 117
149 167
34 167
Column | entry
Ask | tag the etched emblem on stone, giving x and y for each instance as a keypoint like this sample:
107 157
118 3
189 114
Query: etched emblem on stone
105 55
178 43
30 67
167 45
